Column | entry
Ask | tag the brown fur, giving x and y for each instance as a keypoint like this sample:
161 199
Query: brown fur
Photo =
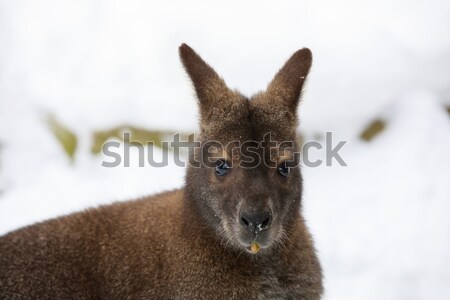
187 243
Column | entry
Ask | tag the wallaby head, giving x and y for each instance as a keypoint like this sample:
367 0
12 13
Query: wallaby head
247 186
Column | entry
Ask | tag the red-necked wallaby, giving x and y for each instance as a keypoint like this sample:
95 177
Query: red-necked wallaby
235 231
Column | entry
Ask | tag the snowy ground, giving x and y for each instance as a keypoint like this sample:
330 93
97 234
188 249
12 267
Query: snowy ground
381 224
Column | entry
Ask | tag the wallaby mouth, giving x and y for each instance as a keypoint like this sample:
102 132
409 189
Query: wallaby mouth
254 240
252 225
258 244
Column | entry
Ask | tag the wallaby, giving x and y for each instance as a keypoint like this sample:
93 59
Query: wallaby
235 231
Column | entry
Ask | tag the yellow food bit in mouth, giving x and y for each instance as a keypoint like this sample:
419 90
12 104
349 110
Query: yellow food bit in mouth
254 247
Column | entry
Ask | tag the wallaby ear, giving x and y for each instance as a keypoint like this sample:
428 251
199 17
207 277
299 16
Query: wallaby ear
208 85
288 82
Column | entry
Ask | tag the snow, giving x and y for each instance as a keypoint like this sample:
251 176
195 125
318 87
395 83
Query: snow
381 224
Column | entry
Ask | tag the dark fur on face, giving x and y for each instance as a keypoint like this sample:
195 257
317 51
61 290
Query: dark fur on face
232 119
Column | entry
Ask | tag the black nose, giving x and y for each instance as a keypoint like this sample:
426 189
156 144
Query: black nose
256 221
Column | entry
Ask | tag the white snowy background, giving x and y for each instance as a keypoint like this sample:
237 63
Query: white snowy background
381 224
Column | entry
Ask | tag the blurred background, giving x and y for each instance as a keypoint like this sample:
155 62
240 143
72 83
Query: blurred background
74 74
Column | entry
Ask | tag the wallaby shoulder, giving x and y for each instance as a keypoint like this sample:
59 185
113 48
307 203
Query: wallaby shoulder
89 246
144 248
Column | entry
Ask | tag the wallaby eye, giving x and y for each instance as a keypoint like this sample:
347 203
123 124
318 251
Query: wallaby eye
222 167
283 169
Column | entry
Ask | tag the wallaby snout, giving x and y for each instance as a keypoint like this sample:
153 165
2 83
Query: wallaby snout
256 221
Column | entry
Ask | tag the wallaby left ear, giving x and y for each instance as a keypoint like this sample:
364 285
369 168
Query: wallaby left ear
209 86
288 82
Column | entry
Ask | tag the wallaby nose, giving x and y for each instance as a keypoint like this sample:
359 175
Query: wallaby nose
256 221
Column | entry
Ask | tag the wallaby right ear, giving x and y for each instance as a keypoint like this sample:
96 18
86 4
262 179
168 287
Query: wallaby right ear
287 84
208 85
